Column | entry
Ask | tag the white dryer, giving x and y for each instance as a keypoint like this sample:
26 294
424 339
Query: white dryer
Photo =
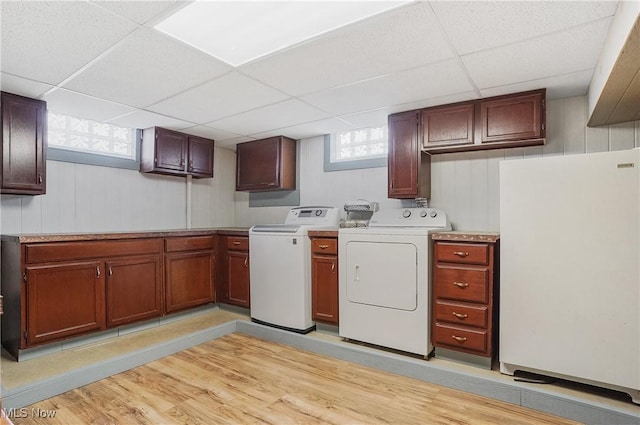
384 278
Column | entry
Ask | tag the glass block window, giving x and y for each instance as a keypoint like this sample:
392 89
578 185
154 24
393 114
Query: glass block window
80 135
364 143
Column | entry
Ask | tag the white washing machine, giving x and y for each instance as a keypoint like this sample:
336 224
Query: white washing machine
384 278
280 268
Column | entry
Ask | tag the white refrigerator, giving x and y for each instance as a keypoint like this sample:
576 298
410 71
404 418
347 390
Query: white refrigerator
570 268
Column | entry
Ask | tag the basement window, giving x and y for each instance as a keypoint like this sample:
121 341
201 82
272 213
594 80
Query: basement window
72 139
362 148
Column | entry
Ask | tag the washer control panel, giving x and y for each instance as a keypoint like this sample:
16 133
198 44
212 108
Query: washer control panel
314 216
409 217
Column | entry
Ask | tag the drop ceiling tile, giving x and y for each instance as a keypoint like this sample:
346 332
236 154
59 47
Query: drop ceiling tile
228 95
310 129
400 39
48 41
377 117
139 11
373 118
146 119
480 25
434 101
425 82
146 68
209 132
231 143
22 86
567 85
82 106
560 53
280 115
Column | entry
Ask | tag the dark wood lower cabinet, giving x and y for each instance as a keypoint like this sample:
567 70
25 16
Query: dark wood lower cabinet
63 300
133 289
238 263
324 278
55 289
189 279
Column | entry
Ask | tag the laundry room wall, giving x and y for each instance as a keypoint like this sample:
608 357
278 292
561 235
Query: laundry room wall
465 185
86 198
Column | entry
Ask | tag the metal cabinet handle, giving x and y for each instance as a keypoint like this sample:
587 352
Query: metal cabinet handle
461 253
39 178
236 242
110 271
246 261
333 266
323 246
190 164
98 271
461 284
460 315
459 338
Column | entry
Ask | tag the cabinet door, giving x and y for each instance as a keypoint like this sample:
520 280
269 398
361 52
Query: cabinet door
238 272
189 279
452 125
134 289
324 287
404 155
171 150
23 145
511 118
64 300
200 157
258 164
267 164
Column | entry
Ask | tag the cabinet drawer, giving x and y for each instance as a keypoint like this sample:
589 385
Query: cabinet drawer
463 284
63 251
475 340
464 314
462 253
238 243
324 246
189 243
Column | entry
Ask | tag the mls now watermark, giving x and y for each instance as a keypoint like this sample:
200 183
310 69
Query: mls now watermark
23 412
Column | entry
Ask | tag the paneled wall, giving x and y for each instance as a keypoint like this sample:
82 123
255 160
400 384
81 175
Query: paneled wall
84 198
465 185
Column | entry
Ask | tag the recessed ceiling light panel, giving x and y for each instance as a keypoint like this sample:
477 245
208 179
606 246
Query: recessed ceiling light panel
238 32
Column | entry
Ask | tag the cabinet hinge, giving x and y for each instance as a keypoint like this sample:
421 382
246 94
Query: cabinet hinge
25 334
24 277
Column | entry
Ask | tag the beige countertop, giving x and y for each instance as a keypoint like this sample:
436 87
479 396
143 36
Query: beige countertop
323 233
66 237
466 236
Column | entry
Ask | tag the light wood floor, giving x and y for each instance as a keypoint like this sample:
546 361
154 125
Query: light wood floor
238 379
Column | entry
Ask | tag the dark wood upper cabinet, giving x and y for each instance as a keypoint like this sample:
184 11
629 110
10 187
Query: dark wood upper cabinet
267 164
24 145
449 125
409 170
200 158
514 120
171 152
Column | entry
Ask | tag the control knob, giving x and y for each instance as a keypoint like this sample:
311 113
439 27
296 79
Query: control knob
433 214
318 213
423 213
406 213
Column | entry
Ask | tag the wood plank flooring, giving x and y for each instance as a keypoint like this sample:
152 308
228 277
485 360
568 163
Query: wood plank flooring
238 379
